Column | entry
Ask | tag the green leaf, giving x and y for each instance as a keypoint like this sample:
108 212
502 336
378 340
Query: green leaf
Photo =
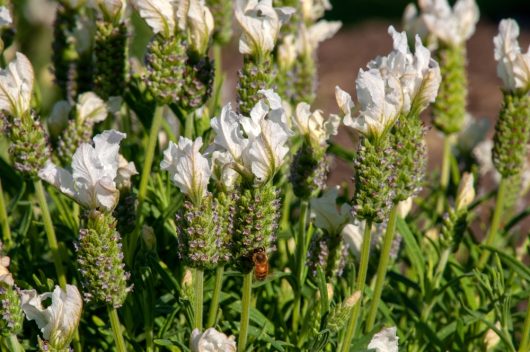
411 248
512 262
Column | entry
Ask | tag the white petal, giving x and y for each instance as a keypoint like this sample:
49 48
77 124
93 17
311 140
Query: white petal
325 212
91 107
352 235
158 14
59 178
31 304
344 101
200 26
16 86
385 341
228 132
260 24
5 17
211 341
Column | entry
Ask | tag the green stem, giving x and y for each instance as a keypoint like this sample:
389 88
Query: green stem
245 312
50 233
13 344
189 124
495 222
301 254
198 281
444 175
382 267
214 305
4 220
144 178
116 328
525 338
359 286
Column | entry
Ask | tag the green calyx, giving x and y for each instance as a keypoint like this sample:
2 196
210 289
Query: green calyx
255 75
29 147
100 261
255 223
453 228
410 152
110 50
511 135
10 311
374 179
202 242
449 109
309 171
166 63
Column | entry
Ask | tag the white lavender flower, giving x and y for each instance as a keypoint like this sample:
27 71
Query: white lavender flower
255 146
327 216
394 84
189 170
211 340
385 341
261 25
16 86
452 26
200 25
513 66
92 183
90 107
313 126
5 275
57 322
312 10
126 170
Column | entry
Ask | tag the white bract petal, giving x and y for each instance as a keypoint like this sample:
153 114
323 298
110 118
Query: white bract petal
159 15
228 134
58 322
92 183
312 10
385 341
211 341
91 107
451 26
326 214
5 275
222 170
513 66
5 17
261 24
352 235
313 126
287 52
126 170
312 36
344 101
200 25
188 168
16 86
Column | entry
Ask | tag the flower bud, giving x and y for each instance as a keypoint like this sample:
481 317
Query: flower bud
148 235
211 341
466 192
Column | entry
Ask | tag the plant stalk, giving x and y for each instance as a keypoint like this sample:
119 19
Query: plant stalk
359 286
4 220
116 329
525 338
189 124
382 268
13 344
50 233
300 261
144 178
198 281
245 312
495 223
214 305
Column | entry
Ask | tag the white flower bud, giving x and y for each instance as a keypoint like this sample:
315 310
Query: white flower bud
352 235
313 125
326 214
16 86
200 25
404 207
466 192
5 275
91 107
58 322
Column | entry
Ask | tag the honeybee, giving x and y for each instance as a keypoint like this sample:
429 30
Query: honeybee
261 263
